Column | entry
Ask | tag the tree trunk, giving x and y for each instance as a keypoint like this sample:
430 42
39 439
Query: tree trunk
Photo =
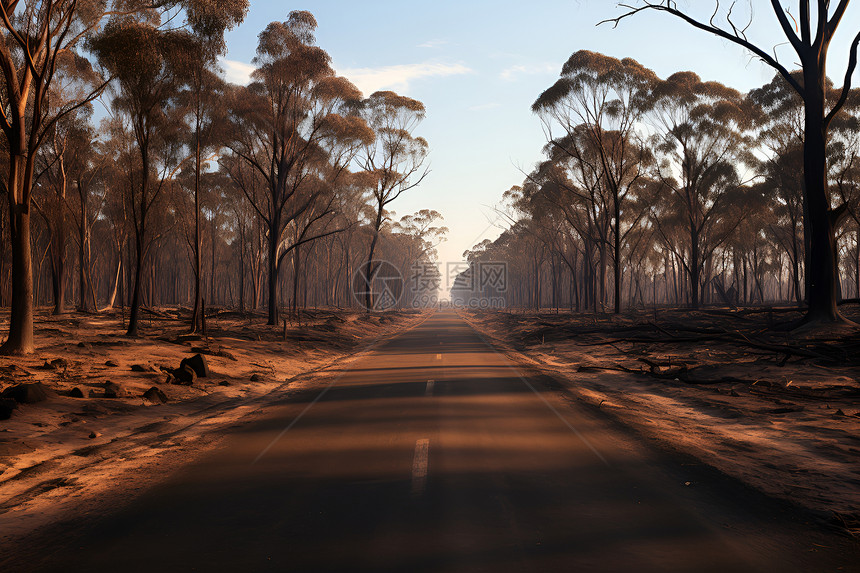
134 311
694 267
20 340
273 275
617 251
84 270
368 295
821 258
198 266
58 265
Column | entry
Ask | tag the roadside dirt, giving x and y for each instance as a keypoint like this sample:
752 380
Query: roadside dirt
739 390
59 457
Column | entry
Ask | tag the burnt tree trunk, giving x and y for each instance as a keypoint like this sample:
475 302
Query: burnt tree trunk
273 274
822 266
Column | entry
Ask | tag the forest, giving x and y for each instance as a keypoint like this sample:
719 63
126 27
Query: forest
136 176
223 349
676 192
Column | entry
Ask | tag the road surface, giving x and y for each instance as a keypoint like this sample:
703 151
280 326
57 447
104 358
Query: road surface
433 452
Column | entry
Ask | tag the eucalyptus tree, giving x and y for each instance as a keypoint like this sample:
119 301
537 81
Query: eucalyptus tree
85 204
783 180
282 126
548 214
422 226
699 143
200 100
148 66
575 183
57 160
778 126
36 36
809 34
248 189
603 98
394 158
120 174
62 154
204 90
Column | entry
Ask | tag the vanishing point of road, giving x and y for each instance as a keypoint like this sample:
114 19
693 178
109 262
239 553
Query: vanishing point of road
434 452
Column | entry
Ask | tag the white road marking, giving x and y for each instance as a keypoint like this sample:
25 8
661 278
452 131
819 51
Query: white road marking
429 390
419 466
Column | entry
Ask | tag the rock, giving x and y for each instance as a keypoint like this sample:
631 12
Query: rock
155 394
55 364
6 407
86 345
168 379
839 413
255 378
113 390
185 375
76 393
111 363
223 383
28 393
734 394
198 364
139 368
94 435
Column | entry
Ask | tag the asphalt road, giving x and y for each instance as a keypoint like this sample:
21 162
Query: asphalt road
435 453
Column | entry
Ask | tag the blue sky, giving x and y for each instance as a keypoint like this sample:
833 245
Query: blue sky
479 65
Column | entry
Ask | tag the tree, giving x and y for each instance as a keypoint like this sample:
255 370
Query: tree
699 143
36 36
149 66
201 103
90 194
395 159
779 126
203 92
605 98
285 126
810 35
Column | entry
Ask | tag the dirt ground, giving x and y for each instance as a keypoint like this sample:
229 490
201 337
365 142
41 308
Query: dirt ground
63 454
741 390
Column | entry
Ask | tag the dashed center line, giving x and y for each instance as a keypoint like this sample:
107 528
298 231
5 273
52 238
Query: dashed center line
429 390
419 466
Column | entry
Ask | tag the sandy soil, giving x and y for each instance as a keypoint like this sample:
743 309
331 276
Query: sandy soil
740 390
60 457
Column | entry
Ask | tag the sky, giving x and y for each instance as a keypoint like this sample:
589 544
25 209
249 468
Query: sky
479 65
